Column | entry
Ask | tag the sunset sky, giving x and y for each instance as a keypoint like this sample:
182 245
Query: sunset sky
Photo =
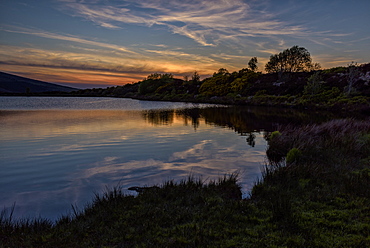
100 43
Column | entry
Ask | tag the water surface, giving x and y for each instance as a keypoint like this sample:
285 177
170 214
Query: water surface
58 151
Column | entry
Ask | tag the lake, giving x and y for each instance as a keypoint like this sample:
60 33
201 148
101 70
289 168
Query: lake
58 151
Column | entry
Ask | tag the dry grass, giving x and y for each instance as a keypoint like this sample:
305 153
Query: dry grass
343 142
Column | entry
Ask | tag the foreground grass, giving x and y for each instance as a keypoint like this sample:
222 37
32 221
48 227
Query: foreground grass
316 197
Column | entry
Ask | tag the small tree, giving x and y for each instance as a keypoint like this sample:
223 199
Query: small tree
316 67
352 76
314 85
252 64
154 76
153 82
195 78
294 59
218 85
221 71
166 77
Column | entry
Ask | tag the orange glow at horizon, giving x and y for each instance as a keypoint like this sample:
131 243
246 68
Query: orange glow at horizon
102 79
72 76
108 43
108 120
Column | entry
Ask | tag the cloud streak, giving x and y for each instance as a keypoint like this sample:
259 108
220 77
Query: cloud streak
70 38
130 37
91 62
205 22
105 57
60 59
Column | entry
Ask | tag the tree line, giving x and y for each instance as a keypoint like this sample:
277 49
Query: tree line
291 78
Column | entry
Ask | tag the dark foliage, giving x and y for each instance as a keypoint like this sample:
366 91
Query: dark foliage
328 89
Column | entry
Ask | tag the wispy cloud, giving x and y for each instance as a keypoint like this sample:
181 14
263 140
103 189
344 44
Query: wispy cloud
329 60
205 22
100 56
94 61
49 35
11 55
178 36
228 56
197 35
181 55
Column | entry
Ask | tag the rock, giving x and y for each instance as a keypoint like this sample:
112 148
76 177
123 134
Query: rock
142 189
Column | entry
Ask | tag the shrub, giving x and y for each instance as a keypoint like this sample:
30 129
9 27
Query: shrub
314 85
335 143
150 86
293 156
274 134
215 86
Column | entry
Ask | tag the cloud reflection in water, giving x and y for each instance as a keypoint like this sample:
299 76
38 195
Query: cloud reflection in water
69 155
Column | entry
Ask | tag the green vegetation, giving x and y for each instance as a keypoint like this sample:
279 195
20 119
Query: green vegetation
274 134
293 156
313 192
294 59
293 80
317 199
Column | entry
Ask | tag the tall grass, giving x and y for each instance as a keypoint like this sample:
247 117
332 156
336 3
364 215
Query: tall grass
319 174
317 197
336 152
23 230
114 218
336 143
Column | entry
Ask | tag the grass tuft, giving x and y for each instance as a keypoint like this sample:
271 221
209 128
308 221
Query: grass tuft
312 194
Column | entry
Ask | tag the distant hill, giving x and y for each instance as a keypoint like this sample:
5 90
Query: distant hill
15 84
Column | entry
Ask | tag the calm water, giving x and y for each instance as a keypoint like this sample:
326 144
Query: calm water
57 152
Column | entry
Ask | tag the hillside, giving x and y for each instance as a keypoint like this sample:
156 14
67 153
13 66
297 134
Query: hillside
340 88
15 84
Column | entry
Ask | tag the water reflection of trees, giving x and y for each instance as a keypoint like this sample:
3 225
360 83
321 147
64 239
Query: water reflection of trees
190 115
243 120
159 117
167 117
251 139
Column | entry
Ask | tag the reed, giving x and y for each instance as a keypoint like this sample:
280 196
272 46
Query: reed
340 143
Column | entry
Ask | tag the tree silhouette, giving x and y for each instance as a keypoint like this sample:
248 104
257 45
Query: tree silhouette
252 64
195 77
352 76
294 59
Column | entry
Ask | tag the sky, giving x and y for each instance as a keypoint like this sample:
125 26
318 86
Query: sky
101 43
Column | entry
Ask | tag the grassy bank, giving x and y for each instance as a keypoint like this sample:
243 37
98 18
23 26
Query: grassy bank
313 193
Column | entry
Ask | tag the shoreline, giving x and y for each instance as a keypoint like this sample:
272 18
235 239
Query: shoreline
308 196
354 104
